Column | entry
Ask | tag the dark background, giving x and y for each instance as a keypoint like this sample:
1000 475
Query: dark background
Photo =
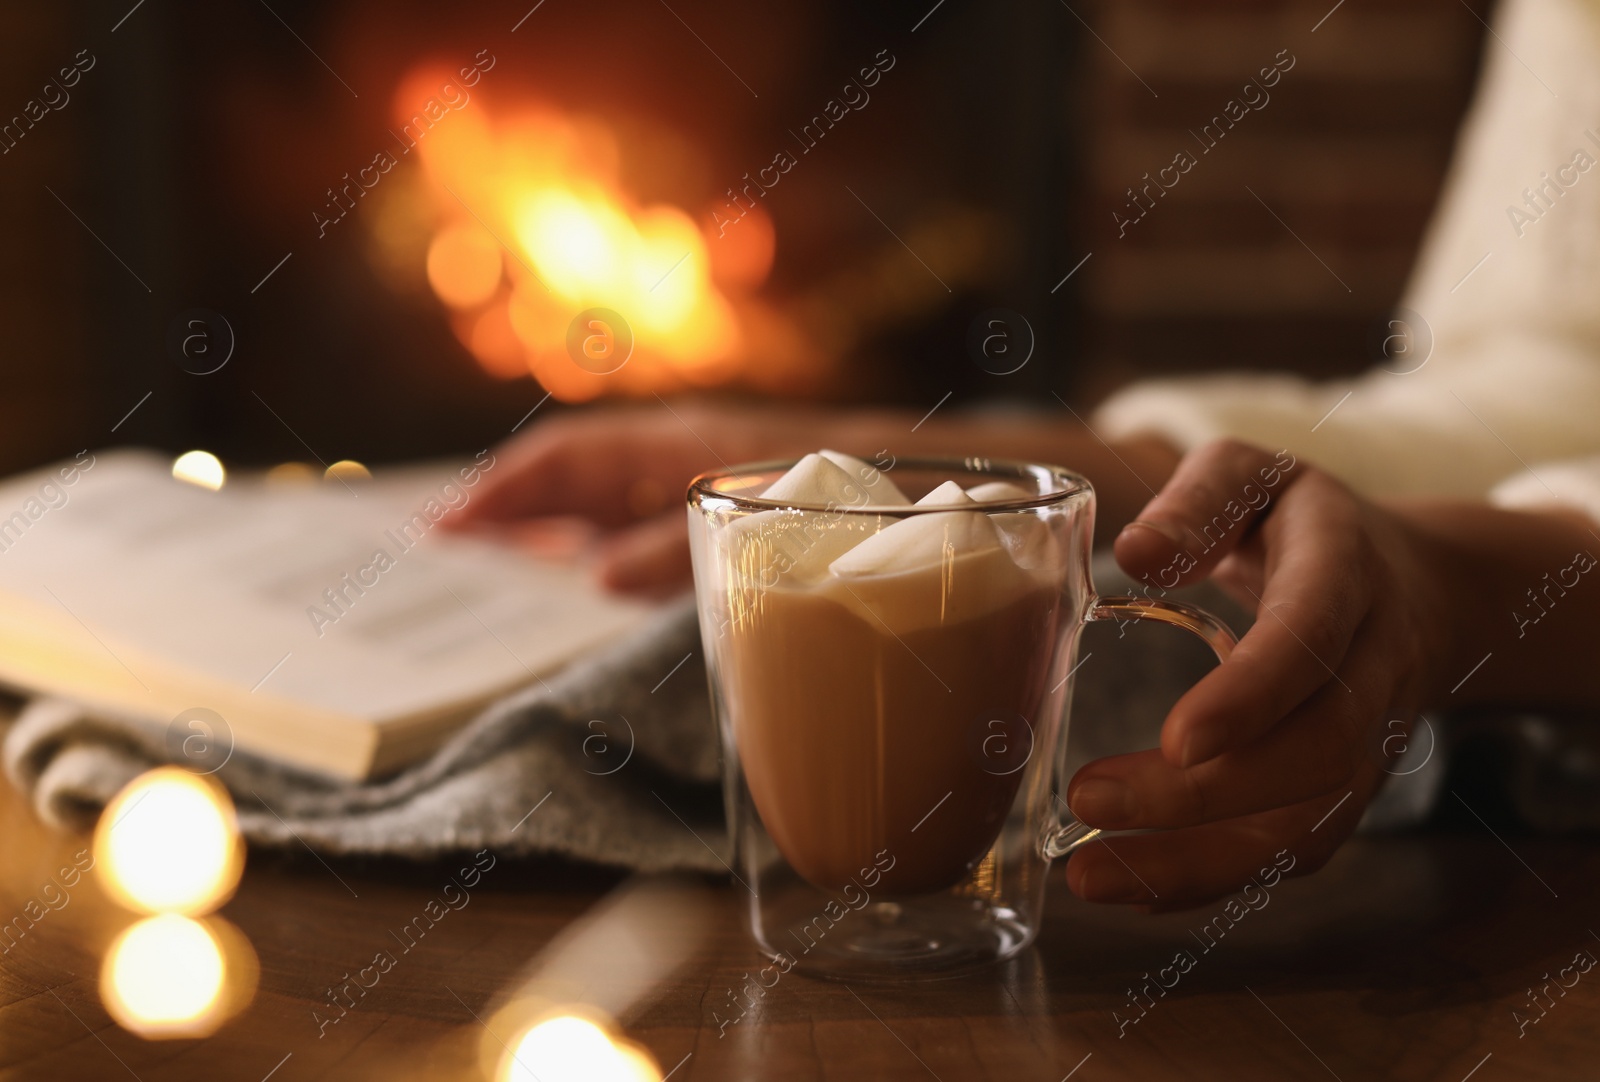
205 136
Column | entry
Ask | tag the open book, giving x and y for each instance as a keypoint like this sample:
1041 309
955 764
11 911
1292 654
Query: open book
333 626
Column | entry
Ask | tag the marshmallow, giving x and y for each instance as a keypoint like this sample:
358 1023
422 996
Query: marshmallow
922 541
1026 535
947 494
880 490
926 570
816 480
992 491
796 546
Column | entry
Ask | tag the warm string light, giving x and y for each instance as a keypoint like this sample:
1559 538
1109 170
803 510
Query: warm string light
347 469
201 468
289 474
169 843
205 470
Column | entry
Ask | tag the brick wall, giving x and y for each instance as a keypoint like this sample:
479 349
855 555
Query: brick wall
1349 152
49 395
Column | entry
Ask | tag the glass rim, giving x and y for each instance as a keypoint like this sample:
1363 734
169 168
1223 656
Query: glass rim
1072 484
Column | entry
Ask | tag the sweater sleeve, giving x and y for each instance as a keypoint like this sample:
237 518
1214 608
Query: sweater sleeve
1574 484
1498 358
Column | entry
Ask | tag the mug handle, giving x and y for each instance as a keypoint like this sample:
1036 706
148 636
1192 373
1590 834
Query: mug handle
1213 632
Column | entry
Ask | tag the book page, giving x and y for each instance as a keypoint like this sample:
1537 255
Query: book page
346 598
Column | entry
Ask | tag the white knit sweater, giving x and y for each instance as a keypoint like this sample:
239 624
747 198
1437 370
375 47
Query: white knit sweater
1507 404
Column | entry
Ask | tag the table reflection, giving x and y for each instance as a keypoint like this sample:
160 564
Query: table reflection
575 1048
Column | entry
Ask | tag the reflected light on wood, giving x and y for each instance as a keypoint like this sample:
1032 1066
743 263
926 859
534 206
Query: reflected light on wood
572 1048
556 1024
169 976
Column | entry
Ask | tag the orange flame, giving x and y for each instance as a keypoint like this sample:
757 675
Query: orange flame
534 228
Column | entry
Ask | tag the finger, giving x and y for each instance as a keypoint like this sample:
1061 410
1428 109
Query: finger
1213 498
1319 571
612 468
649 558
564 539
1182 868
539 473
1242 573
1319 746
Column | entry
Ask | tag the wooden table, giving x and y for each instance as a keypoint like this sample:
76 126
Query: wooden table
1405 958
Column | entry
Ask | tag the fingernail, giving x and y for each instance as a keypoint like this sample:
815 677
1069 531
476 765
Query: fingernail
1104 803
1166 530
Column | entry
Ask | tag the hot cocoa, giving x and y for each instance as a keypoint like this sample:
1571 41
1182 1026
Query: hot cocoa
858 672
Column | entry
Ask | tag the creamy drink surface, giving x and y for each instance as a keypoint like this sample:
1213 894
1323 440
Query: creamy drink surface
859 679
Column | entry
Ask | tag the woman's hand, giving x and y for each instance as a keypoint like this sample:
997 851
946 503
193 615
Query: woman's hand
626 470
1282 746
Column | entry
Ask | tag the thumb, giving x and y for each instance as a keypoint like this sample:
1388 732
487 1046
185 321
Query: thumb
1215 497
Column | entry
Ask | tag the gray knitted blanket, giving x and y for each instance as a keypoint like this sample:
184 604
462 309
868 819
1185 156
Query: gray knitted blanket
615 762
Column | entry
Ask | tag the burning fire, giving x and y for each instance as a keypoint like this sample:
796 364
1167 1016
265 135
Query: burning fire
530 228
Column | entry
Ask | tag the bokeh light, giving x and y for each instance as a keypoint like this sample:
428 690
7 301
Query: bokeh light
169 843
292 473
347 469
200 468
170 976
572 1048
464 265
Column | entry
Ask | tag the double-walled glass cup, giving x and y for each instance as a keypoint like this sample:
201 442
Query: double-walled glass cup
893 727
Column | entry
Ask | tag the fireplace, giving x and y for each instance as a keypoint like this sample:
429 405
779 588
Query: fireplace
421 223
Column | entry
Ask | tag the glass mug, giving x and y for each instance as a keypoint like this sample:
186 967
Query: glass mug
894 743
